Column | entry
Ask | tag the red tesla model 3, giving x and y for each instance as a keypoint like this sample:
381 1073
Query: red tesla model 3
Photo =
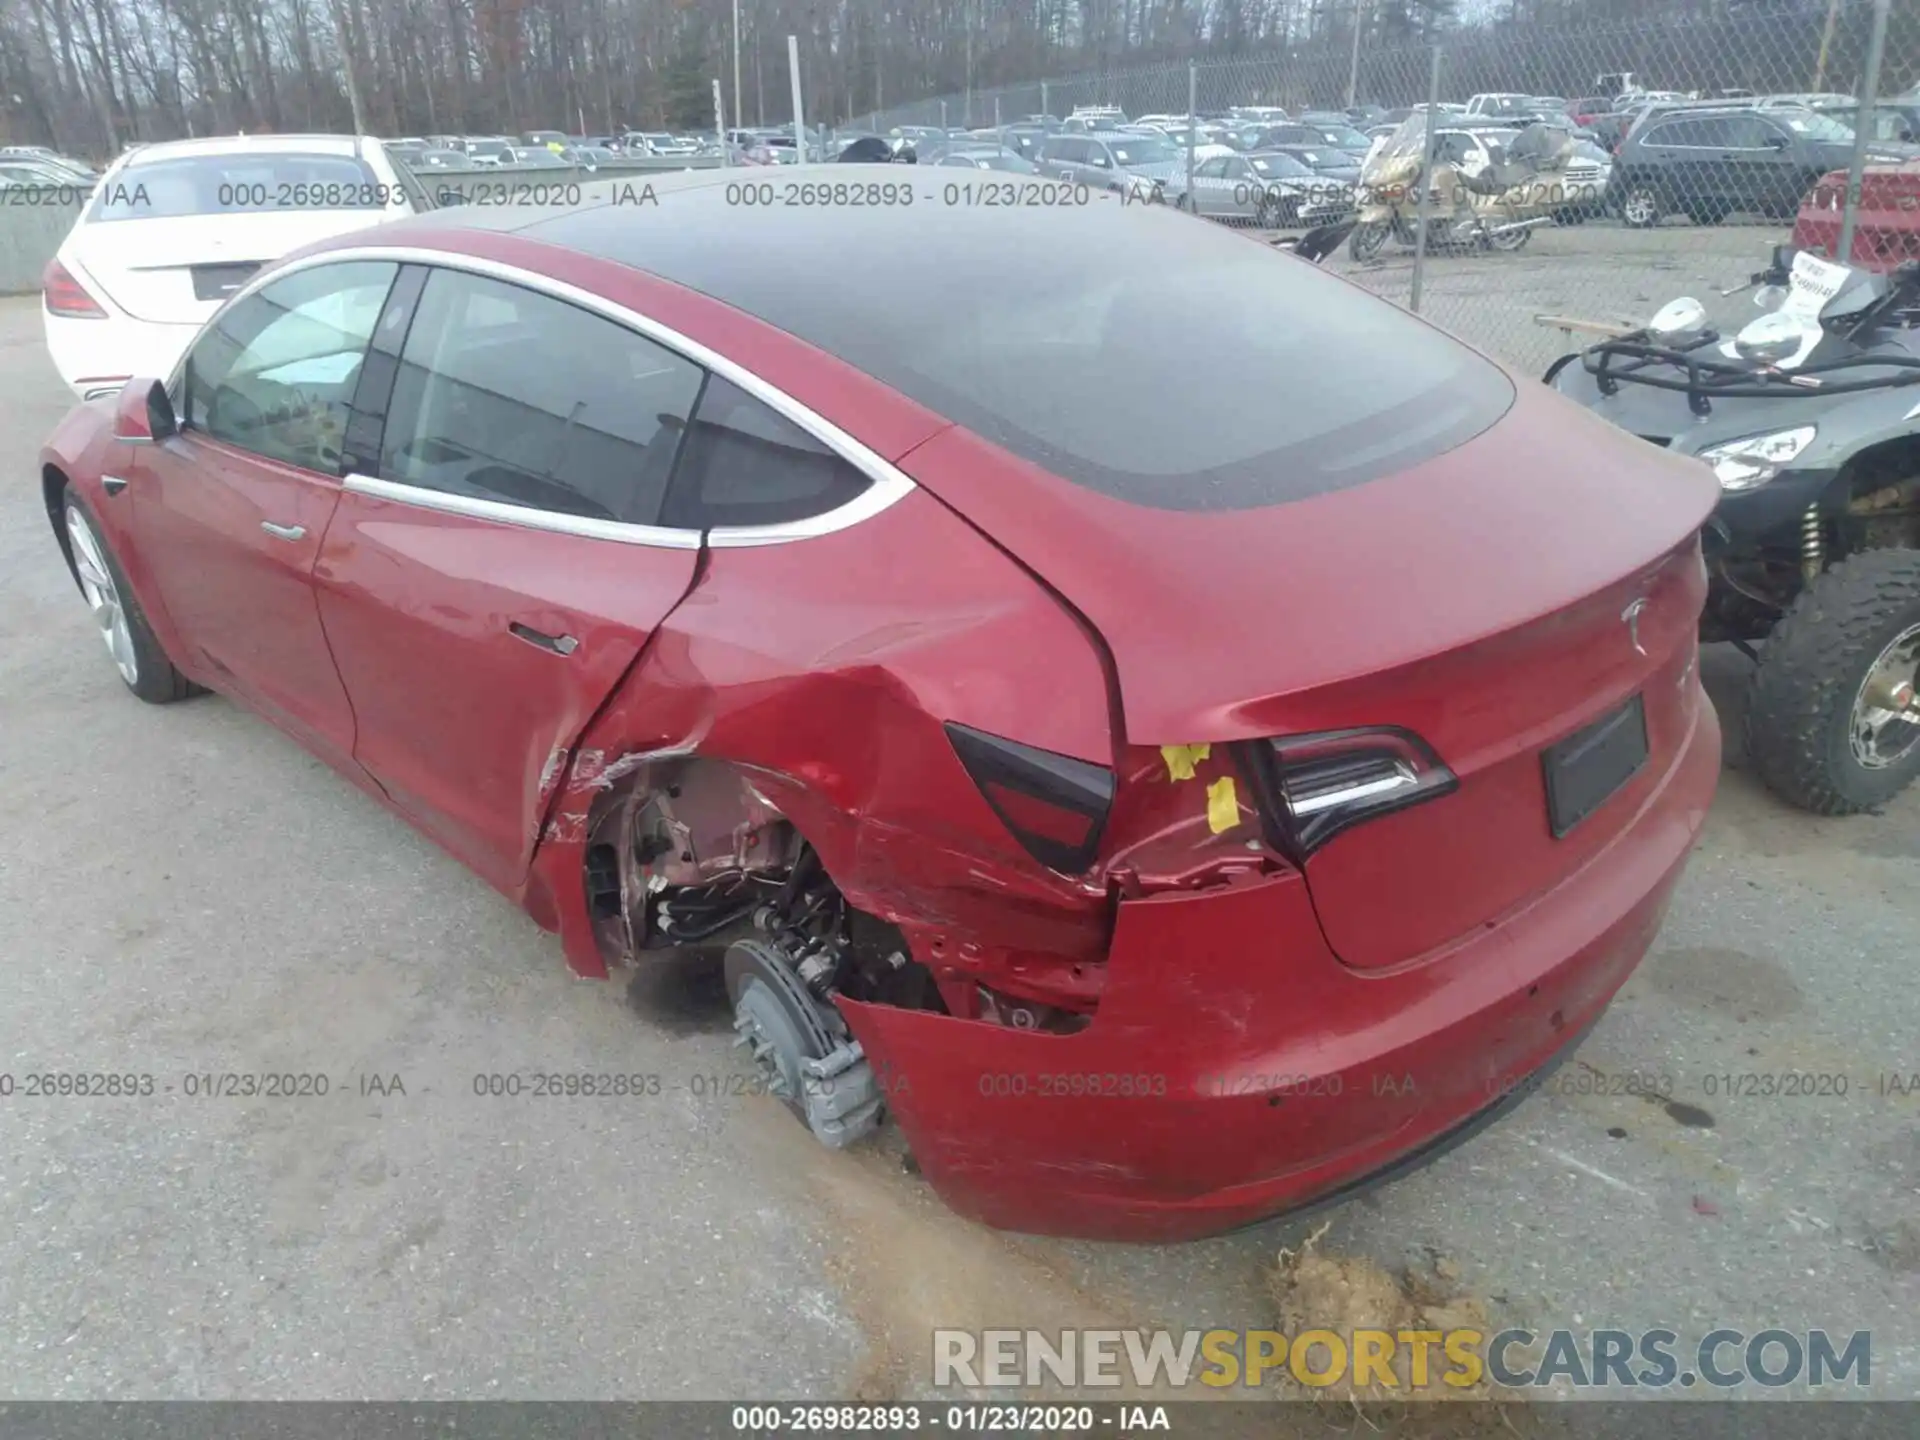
1176 734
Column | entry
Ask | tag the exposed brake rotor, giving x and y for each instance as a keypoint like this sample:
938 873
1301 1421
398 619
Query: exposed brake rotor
824 1079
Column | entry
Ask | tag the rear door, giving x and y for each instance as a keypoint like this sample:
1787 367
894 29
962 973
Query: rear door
496 566
230 512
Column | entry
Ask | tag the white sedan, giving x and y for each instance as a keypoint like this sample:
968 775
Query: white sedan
173 229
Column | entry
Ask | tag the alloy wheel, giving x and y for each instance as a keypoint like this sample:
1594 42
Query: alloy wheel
102 595
1885 725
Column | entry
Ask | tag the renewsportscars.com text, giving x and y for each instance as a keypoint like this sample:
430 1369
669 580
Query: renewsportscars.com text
1402 1359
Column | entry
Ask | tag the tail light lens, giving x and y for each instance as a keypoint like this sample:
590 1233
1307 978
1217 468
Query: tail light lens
67 296
1314 786
1054 805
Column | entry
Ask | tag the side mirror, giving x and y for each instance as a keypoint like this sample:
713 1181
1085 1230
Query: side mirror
144 414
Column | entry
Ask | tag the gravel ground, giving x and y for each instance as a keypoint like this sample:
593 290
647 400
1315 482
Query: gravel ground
186 892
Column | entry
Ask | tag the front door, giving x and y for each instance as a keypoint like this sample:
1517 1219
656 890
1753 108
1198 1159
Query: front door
230 513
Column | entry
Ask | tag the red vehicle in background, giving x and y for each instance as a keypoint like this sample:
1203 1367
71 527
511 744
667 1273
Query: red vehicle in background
1887 229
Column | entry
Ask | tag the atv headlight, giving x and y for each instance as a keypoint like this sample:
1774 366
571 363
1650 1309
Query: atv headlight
1750 463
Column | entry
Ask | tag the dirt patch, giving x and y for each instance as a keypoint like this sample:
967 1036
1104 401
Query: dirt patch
1315 1290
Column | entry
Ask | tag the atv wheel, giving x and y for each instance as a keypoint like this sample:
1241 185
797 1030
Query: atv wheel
1366 240
1642 207
1833 724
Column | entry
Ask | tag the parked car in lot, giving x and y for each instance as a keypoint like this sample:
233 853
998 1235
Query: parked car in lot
1895 122
539 157
1340 137
1150 165
1269 189
174 228
1886 226
986 157
440 161
1709 163
841 636
1338 167
489 151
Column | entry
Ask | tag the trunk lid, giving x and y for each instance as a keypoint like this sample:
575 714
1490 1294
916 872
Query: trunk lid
180 269
1493 600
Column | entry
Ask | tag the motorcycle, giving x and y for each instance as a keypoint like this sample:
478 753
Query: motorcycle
1809 417
1495 208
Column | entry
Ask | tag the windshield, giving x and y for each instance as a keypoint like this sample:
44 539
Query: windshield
1278 167
1343 135
1007 160
239 184
1816 127
1145 150
1322 159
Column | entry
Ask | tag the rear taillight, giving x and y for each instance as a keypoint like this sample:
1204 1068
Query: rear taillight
1054 805
1315 786
66 296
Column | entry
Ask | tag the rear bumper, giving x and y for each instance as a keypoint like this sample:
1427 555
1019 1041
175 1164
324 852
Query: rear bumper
1236 1070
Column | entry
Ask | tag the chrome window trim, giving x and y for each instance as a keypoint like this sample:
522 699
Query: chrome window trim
886 483
528 518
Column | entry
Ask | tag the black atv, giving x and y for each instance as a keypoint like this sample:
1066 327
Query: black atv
1810 418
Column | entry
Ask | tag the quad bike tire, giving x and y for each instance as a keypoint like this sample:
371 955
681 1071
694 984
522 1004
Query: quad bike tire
1367 238
1804 694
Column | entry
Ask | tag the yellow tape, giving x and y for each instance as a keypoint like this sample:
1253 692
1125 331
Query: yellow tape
1223 806
1182 758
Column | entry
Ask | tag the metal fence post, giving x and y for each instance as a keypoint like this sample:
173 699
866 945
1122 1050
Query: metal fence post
1193 125
1862 130
799 122
1045 108
720 126
1426 182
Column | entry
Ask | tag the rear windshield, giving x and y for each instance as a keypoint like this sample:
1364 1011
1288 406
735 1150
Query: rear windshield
1126 349
239 184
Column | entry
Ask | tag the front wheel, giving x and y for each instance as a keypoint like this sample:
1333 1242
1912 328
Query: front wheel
130 641
1508 241
1833 722
1367 238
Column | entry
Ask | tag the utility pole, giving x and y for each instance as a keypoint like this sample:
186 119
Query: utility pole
1353 65
737 106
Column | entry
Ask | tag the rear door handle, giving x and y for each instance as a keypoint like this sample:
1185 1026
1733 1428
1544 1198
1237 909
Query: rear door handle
284 532
558 644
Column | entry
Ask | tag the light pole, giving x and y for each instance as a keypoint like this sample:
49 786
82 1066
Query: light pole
737 107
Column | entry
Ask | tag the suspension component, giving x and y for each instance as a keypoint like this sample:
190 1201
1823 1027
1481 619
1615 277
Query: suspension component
1813 545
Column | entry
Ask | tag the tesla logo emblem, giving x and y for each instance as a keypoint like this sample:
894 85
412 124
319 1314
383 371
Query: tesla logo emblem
1631 615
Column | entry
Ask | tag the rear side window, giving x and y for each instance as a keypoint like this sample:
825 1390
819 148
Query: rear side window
240 184
746 464
507 395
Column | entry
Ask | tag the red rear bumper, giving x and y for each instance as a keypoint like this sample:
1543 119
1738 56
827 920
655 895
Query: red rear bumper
1236 1069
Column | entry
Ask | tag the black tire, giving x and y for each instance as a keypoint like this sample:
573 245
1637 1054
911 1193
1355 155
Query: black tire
1367 238
1642 206
1800 700
155 680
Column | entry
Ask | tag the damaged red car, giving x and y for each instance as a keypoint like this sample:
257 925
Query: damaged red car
1175 734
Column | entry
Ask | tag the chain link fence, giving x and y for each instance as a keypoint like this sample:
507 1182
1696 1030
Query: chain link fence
1706 134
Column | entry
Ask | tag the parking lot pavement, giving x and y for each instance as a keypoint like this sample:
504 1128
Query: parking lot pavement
184 893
